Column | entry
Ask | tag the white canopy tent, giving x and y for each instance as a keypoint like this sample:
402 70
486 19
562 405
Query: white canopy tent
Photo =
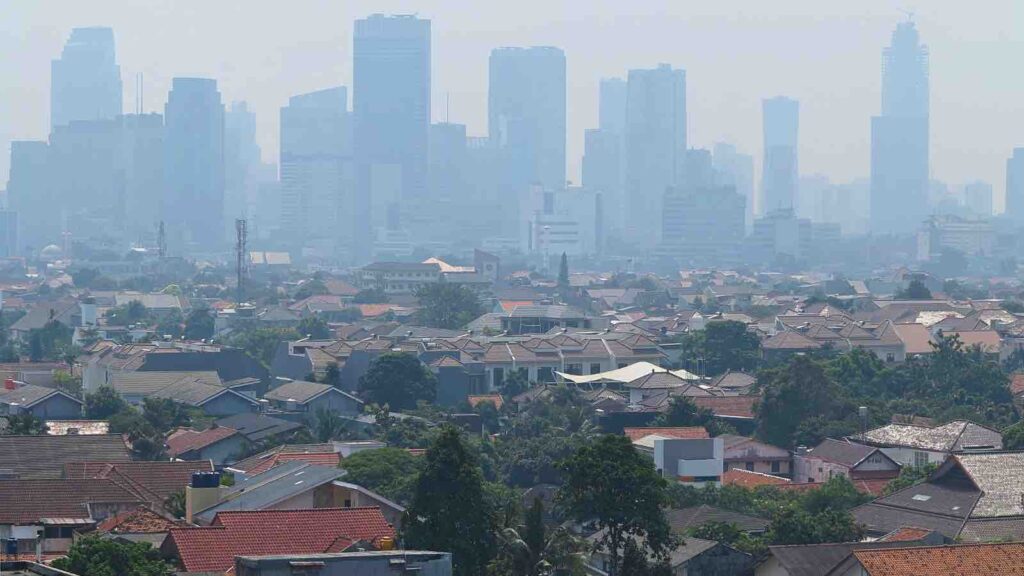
625 374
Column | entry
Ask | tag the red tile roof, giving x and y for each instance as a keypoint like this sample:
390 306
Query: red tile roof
1017 383
492 398
905 534
187 440
26 501
160 478
691 432
142 520
278 458
265 532
957 560
748 479
733 406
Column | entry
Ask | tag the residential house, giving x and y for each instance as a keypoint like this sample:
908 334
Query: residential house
46 513
152 481
260 428
371 563
319 454
220 445
915 445
829 559
65 312
691 557
843 458
41 402
972 497
964 559
755 456
211 399
684 520
691 461
213 548
541 319
157 304
134 387
44 457
311 397
142 524
395 278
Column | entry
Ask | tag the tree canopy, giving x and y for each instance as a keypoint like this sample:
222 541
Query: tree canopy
449 509
399 380
388 471
595 477
97 556
447 305
722 346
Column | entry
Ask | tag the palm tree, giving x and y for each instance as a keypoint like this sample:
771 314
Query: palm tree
531 550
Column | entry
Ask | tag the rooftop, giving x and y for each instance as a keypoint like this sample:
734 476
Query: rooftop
39 457
962 559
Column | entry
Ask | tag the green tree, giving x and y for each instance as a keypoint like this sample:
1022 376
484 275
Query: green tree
25 424
683 412
175 504
399 380
388 471
910 475
164 414
314 328
448 510
793 525
915 290
532 550
793 394
46 343
514 383
332 375
724 532
447 305
103 403
170 324
134 312
261 343
329 425
723 345
563 272
595 477
94 556
312 287
68 383
199 324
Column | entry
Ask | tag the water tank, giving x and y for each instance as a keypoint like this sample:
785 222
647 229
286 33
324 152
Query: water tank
205 479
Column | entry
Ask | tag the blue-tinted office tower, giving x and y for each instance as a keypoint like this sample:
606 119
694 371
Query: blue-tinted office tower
193 207
526 116
391 108
85 82
30 193
655 147
780 172
1015 186
899 137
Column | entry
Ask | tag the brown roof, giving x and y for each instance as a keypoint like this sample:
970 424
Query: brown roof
958 560
36 457
492 398
1017 383
730 406
748 479
916 338
905 534
142 520
690 432
789 340
160 478
26 501
188 440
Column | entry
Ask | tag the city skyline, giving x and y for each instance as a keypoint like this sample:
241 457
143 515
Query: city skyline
835 137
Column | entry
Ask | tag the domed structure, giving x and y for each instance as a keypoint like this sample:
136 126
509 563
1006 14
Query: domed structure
51 253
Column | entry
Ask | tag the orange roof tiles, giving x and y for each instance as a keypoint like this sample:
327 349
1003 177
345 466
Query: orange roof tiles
905 534
492 398
267 532
142 520
186 440
956 560
748 479
278 458
731 406
692 432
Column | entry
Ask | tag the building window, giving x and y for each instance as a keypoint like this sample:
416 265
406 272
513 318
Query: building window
890 357
776 467
576 369
749 466
920 458
545 374
499 376
595 368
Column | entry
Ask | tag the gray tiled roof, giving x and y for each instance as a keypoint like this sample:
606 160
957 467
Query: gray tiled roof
144 383
949 437
27 395
878 519
821 559
262 491
993 530
841 451
31 457
193 392
683 519
999 477
298 390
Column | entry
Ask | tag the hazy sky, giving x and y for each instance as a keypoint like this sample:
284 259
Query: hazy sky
825 53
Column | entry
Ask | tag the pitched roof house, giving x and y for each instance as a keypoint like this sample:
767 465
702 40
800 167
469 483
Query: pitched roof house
44 457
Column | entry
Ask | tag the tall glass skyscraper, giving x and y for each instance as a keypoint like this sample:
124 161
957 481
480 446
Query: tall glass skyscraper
1015 186
85 82
526 116
391 108
193 207
655 146
899 137
780 172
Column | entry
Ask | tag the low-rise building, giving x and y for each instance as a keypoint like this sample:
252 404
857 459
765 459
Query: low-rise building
373 563
843 458
41 402
912 445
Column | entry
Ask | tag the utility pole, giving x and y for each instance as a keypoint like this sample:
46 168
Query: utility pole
241 257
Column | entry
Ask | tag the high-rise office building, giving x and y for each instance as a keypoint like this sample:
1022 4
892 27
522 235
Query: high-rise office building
612 105
1015 186
29 193
978 198
736 170
8 233
391 107
604 153
142 153
780 173
193 207
526 116
87 177
316 165
655 146
85 82
899 137
241 163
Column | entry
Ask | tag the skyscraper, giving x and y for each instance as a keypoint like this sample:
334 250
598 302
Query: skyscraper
978 198
899 137
316 165
735 169
241 163
655 146
780 173
193 207
1015 186
85 82
604 152
142 150
526 116
391 104
612 105
29 193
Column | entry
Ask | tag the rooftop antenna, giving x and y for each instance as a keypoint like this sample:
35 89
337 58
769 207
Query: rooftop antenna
240 233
